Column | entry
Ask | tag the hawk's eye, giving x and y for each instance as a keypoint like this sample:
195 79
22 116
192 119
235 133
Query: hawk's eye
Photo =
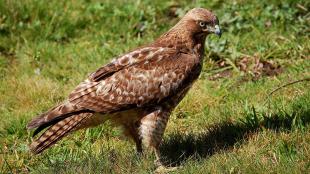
202 24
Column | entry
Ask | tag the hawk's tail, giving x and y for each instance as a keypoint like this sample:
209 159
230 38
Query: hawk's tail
57 131
54 114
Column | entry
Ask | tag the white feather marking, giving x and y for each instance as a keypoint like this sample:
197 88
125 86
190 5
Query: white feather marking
118 91
119 98
111 97
104 89
113 60
132 60
163 89
159 58
132 93
100 86
141 98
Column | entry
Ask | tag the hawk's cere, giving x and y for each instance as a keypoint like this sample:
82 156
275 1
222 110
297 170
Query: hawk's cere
137 90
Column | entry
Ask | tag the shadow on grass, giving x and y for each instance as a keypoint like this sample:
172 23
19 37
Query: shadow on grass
223 136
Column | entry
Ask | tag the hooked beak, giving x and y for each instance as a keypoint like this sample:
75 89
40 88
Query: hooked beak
217 30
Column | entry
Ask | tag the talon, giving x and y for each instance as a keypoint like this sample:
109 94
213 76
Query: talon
157 163
163 169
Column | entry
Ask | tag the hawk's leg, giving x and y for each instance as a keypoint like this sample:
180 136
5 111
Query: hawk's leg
152 128
133 131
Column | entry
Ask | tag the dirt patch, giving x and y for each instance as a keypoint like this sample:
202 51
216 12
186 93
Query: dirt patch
253 68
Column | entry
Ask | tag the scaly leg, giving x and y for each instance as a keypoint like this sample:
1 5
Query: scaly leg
133 132
152 128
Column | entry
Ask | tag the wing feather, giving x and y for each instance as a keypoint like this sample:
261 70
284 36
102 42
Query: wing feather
140 82
126 60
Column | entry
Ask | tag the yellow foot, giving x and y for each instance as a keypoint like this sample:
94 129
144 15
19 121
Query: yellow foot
162 169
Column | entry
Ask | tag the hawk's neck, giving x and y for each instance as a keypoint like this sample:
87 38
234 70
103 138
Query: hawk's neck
182 39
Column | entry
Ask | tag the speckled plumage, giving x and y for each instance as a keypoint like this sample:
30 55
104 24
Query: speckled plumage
137 90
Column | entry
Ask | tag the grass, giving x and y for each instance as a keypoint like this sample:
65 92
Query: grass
228 125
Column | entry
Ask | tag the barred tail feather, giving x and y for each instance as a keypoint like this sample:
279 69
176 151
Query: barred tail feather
58 131
53 113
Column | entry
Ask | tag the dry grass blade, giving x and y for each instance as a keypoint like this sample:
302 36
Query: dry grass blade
288 84
283 86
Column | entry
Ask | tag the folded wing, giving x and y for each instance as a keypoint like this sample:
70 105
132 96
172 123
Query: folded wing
140 78
145 81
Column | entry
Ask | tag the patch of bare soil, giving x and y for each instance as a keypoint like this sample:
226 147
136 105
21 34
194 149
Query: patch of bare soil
253 68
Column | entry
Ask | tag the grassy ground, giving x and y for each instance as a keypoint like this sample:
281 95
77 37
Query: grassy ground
224 125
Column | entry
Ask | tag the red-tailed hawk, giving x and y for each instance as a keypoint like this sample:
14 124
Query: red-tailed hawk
137 90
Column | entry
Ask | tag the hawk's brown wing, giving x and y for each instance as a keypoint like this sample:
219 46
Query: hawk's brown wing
126 60
145 76
145 82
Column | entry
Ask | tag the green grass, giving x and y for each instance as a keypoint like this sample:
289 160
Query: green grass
229 125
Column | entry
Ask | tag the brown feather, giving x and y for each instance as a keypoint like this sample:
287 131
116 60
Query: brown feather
57 111
57 131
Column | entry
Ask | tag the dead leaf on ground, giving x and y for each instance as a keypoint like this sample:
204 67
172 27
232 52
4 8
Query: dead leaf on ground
172 11
251 66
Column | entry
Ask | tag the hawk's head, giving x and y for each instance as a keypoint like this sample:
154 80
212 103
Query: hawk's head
201 21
